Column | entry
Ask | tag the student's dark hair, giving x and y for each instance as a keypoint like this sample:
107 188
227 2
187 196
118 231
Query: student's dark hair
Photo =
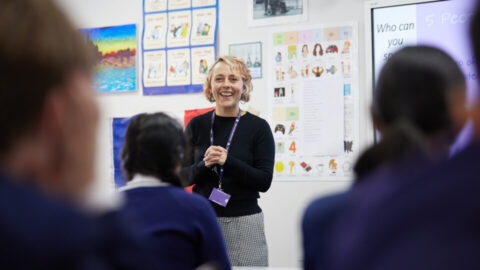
414 86
397 141
475 34
38 48
154 146
320 52
410 103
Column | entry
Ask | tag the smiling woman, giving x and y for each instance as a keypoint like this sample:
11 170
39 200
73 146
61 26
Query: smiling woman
232 161
227 89
228 75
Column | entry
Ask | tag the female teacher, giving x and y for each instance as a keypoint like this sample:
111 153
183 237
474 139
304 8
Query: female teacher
233 154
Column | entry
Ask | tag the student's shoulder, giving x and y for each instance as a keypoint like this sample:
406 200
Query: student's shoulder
22 207
196 206
25 198
191 201
325 208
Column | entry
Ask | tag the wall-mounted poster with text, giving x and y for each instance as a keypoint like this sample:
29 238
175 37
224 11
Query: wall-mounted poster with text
179 44
314 101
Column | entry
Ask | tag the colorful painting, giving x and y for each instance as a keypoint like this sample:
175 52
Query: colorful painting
117 49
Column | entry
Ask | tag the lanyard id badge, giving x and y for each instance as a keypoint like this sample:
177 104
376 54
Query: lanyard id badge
218 196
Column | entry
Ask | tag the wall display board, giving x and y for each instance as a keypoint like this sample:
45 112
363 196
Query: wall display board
442 24
314 115
190 114
179 44
116 47
119 127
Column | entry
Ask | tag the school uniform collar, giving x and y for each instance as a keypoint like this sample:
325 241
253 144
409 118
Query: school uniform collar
140 180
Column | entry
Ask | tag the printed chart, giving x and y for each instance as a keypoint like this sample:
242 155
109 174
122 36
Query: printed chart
179 44
313 84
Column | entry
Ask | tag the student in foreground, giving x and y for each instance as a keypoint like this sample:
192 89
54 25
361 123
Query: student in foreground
182 226
416 108
427 220
48 120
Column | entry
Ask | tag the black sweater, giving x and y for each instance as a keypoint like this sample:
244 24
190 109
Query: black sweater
249 165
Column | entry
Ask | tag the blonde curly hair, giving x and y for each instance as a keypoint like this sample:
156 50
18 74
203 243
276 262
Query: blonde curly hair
235 64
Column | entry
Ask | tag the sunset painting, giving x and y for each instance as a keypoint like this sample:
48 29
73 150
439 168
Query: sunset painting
116 47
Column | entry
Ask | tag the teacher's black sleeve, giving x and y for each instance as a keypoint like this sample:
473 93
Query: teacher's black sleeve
259 176
193 171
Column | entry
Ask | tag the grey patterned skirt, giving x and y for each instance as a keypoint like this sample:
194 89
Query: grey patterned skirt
245 240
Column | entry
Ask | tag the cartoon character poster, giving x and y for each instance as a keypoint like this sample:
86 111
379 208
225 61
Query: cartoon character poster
178 4
178 67
116 47
155 29
202 59
183 38
155 5
313 96
204 22
154 63
203 3
179 29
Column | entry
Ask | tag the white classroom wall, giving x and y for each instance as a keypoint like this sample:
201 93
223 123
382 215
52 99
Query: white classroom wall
285 202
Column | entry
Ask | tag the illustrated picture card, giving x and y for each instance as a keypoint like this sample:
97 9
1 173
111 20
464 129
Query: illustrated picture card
251 54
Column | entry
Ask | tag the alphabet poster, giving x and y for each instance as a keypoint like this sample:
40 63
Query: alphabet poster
179 45
313 96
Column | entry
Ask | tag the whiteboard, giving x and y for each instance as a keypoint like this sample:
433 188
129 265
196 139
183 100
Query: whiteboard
391 25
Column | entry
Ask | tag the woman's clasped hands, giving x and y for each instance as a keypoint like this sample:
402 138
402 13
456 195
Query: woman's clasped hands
215 155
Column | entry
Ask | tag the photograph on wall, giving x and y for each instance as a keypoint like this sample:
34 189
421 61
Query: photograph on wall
178 67
154 68
116 47
178 4
202 59
251 54
155 29
203 3
179 29
155 5
204 23
269 12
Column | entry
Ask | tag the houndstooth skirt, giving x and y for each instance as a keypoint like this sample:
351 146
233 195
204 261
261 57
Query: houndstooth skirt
245 240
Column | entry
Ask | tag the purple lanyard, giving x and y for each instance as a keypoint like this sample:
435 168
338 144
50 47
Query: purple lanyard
229 142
